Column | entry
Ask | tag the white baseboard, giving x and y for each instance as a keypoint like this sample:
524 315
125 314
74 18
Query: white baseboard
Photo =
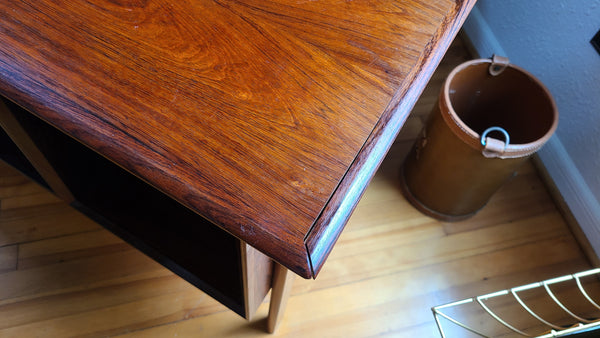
580 200
577 195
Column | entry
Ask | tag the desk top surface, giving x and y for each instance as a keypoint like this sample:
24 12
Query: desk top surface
266 117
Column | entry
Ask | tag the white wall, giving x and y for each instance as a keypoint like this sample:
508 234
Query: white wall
550 38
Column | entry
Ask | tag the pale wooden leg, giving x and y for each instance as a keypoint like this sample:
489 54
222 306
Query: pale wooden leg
282 285
257 269
19 136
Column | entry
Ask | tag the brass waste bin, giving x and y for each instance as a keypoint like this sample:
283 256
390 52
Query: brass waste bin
490 117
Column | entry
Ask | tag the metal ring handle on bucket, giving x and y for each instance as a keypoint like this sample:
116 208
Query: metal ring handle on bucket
500 129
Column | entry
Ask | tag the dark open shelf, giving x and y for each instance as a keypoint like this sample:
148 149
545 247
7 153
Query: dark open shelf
170 233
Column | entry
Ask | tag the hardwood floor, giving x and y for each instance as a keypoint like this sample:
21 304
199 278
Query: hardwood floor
63 275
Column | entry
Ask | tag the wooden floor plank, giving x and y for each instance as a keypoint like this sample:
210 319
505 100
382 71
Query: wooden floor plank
18 185
8 258
76 275
29 200
17 191
372 309
452 273
108 310
400 250
45 308
68 248
44 221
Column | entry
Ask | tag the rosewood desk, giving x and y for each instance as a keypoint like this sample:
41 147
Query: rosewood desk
216 136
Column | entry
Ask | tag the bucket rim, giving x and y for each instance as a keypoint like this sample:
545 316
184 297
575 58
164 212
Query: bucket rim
472 138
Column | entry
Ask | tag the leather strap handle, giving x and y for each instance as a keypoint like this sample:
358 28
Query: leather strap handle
493 147
498 65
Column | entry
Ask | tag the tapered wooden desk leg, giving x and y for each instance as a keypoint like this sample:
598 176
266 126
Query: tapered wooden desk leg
282 285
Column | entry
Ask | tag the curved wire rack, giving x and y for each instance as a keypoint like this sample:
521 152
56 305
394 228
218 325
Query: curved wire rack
579 323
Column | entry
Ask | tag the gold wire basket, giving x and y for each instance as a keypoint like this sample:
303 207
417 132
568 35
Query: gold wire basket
558 307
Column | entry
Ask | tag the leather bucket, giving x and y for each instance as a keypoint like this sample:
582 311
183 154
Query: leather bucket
490 117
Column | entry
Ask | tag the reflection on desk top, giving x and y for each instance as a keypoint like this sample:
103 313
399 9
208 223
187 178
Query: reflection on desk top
267 117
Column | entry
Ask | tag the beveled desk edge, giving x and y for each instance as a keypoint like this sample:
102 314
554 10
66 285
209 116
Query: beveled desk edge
332 220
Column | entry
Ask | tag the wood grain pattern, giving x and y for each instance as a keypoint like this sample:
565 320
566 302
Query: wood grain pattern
257 272
331 221
282 286
248 112
32 222
8 258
